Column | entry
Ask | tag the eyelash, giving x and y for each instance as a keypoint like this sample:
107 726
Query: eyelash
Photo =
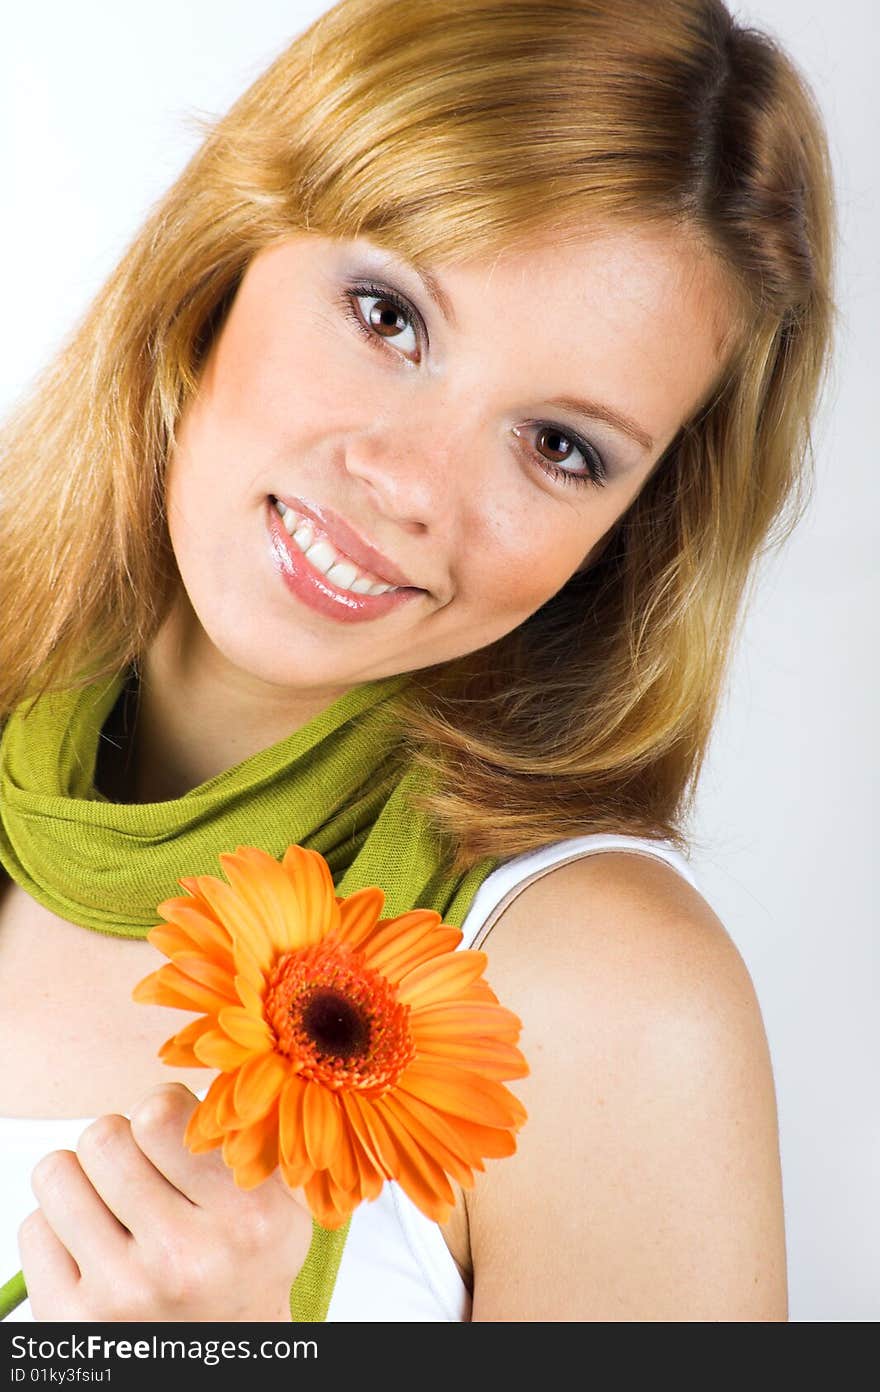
596 473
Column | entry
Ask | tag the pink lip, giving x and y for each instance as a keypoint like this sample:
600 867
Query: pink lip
307 583
348 540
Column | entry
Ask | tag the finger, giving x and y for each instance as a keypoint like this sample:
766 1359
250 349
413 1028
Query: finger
51 1274
76 1213
130 1186
158 1123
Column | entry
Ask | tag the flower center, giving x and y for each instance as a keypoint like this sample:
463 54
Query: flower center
337 1019
335 1025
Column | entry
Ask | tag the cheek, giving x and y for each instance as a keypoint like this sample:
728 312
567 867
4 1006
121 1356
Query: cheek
203 487
523 558
298 381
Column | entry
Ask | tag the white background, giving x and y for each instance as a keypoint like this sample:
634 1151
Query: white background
94 126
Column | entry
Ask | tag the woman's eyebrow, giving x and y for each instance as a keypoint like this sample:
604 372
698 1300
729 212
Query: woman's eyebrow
595 410
436 292
429 281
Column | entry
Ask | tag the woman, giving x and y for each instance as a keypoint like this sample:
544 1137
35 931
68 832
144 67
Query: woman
523 311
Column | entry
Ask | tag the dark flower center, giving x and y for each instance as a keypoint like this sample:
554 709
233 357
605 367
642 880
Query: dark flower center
337 1019
336 1026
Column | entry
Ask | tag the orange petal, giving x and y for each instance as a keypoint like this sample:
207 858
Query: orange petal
490 1142
440 978
418 1174
350 1167
368 1178
258 1084
309 876
250 997
473 1141
382 1149
322 1123
250 1031
201 969
152 990
204 1123
294 1176
168 939
291 1127
323 1197
479 990
239 915
169 986
263 886
252 1153
178 1051
395 958
366 1152
462 1137
198 1130
247 965
216 1050
423 1196
358 913
201 1145
196 933
448 1157
463 1094
197 920
421 922
390 932
492 1058
463 1019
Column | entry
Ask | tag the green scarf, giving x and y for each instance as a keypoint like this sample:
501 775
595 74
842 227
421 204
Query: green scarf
334 786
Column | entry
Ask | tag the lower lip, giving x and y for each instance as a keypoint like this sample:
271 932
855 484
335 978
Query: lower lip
314 589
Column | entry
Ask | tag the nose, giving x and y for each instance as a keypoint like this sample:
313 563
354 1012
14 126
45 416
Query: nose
407 478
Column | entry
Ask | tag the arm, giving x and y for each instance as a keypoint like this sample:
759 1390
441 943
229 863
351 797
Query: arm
646 1183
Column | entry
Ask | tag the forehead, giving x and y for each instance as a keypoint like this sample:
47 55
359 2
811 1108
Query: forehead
633 270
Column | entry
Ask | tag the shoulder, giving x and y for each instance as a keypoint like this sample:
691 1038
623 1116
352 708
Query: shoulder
625 923
646 1181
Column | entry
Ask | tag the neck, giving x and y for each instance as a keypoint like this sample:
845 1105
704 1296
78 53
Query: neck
192 715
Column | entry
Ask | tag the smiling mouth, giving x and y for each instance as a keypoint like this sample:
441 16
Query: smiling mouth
314 579
339 568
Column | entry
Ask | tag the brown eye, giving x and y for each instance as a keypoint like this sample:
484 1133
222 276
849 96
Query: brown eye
550 441
386 318
553 440
383 320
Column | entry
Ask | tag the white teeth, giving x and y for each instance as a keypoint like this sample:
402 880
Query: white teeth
342 573
321 555
324 556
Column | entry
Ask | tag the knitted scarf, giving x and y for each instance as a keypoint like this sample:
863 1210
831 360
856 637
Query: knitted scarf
334 786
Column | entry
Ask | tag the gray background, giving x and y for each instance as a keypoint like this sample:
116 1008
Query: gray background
94 125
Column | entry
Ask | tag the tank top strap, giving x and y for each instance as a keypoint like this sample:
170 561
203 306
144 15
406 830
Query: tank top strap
508 880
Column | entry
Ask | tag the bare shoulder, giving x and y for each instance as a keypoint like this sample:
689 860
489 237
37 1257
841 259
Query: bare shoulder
646 1183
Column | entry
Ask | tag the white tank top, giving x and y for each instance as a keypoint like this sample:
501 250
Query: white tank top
395 1264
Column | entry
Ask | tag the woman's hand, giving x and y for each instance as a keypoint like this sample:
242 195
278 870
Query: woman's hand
134 1227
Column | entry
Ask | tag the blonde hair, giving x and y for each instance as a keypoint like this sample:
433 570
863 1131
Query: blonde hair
444 129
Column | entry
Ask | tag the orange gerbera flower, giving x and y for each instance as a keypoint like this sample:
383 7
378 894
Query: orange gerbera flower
353 1049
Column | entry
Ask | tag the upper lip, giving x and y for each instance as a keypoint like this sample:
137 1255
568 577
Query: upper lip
343 535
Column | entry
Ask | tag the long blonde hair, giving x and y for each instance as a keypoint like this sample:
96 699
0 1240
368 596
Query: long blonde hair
443 129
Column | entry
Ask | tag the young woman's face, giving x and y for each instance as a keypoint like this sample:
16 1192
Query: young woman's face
446 436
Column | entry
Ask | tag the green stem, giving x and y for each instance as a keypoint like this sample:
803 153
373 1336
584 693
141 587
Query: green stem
12 1295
